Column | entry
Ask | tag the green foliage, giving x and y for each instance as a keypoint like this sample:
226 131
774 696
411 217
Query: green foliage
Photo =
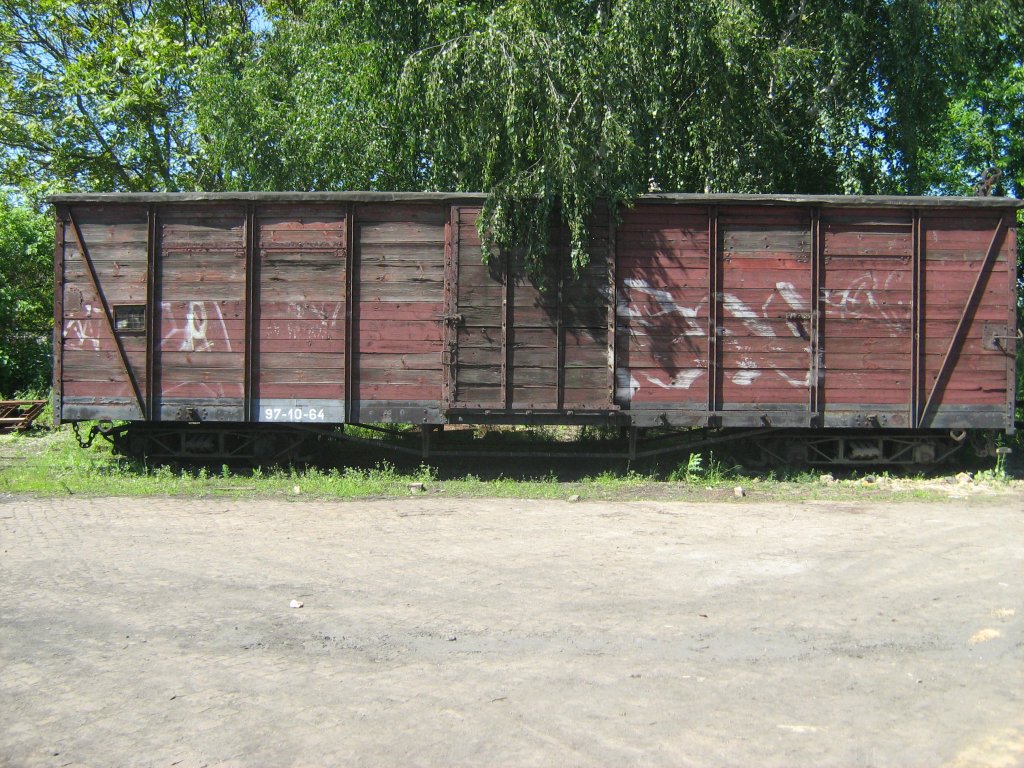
695 470
554 107
98 95
26 298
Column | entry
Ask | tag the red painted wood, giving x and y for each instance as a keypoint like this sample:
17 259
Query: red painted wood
661 299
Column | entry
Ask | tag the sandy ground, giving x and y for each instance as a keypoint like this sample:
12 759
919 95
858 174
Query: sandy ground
476 632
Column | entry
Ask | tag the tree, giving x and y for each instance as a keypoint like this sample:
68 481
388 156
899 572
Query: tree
310 103
572 101
26 298
97 96
549 105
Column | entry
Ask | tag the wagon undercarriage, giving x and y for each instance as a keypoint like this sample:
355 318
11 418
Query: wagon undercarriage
235 445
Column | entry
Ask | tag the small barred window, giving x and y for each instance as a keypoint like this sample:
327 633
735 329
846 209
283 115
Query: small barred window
130 318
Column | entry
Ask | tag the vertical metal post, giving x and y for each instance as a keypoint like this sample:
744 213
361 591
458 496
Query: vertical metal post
250 297
449 331
425 432
916 322
817 352
152 311
58 314
714 302
351 331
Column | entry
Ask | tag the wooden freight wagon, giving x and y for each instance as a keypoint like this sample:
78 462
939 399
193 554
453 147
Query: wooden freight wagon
221 314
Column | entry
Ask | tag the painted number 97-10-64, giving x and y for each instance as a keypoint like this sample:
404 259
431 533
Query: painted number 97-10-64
293 414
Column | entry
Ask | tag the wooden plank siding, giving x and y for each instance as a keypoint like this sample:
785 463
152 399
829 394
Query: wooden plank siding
693 310
298 316
867 300
398 310
201 323
766 295
954 249
662 307
765 313
528 342
93 377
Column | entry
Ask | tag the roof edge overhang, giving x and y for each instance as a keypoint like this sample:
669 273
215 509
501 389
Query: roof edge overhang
828 201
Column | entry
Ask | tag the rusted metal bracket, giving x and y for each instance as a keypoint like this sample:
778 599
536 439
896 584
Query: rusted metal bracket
80 242
993 336
965 321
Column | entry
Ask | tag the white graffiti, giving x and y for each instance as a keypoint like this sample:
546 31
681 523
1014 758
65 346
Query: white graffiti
625 385
747 374
79 334
751 320
757 323
682 380
859 302
796 302
194 335
326 312
667 306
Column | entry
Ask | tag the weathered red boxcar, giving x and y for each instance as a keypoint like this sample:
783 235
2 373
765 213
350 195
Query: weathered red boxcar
786 312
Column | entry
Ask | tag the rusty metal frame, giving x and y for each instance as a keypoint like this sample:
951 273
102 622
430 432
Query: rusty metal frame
917 314
714 303
965 321
58 315
152 309
248 381
80 241
351 331
817 346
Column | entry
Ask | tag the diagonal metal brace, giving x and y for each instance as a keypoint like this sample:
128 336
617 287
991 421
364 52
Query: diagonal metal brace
956 343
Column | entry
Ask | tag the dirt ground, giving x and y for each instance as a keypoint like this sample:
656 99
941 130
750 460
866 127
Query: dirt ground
475 632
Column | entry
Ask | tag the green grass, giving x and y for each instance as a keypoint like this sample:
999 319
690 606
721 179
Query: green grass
46 463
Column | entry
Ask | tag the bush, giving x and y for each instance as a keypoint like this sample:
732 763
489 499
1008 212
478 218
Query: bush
26 298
